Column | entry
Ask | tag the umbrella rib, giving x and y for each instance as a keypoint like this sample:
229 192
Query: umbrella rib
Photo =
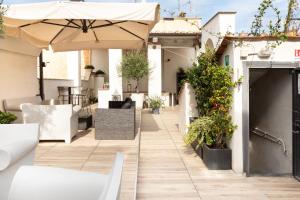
141 23
61 30
93 30
55 24
33 23
91 23
109 24
71 21
124 29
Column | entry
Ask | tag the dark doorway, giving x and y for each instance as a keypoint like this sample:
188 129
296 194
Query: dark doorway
296 124
270 121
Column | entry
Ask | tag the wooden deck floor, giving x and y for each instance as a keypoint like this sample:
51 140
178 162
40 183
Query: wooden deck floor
87 154
169 169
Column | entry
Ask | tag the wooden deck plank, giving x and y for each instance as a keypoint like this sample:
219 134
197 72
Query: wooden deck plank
87 154
169 169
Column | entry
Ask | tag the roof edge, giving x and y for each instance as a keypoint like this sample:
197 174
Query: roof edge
219 13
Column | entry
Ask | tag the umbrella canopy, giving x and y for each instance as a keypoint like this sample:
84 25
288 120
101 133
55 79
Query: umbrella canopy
67 25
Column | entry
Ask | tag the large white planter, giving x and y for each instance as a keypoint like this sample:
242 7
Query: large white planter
87 74
99 82
139 99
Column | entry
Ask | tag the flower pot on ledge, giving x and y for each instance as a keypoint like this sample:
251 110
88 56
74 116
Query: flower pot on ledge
217 159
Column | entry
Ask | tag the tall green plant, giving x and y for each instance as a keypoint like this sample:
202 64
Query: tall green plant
134 66
197 76
213 86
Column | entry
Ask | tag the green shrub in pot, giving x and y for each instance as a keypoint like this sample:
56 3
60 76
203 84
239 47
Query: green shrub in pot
155 103
199 131
7 118
213 86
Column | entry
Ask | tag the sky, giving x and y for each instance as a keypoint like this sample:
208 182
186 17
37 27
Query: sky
204 9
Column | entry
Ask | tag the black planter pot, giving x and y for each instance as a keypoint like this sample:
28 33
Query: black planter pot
198 150
155 111
217 159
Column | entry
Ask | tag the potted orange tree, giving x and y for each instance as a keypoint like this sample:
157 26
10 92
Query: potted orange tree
213 86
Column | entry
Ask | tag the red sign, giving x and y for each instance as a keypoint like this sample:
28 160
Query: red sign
297 53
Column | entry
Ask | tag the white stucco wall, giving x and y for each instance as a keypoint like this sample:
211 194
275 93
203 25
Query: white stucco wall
187 107
18 74
285 52
173 59
155 65
99 60
115 80
221 24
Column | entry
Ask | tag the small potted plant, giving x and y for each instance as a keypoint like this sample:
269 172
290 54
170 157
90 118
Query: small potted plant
197 132
155 103
7 118
216 153
134 66
88 71
99 79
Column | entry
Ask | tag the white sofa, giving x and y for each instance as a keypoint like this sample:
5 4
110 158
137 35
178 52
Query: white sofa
57 122
47 183
17 145
14 105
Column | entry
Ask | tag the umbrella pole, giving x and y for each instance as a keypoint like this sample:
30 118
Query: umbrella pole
41 80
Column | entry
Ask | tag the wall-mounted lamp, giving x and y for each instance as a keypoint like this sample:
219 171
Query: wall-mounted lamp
155 39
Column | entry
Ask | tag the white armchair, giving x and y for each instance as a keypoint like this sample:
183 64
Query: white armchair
57 122
17 145
47 183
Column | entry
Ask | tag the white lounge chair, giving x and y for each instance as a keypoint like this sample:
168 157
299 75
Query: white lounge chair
57 122
47 183
17 145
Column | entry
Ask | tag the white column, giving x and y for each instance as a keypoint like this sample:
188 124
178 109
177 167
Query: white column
74 69
155 75
115 80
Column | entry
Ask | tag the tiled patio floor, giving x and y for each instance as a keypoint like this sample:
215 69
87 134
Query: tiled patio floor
168 169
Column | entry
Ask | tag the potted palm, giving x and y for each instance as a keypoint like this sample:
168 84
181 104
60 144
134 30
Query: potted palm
155 103
134 67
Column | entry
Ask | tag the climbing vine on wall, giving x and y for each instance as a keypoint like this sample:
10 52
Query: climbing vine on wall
276 27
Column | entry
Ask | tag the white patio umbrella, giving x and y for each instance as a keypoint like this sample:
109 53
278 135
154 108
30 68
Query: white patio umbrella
67 25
